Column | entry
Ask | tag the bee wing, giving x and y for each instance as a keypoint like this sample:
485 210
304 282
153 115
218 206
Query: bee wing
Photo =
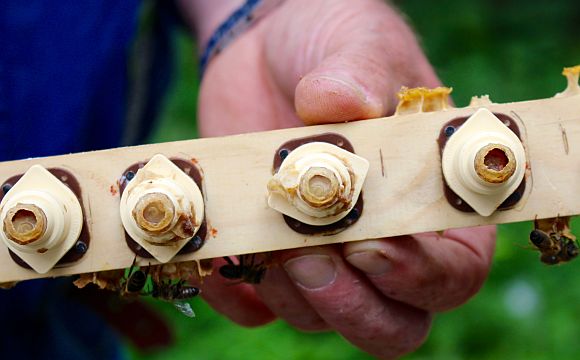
184 308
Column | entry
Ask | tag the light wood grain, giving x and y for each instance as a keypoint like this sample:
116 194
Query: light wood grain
403 192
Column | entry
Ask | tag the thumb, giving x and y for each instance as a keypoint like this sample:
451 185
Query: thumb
361 75
338 90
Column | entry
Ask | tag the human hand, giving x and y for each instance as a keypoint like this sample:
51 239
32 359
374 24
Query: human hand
333 61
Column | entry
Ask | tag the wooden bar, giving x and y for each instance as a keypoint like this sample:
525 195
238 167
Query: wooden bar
403 193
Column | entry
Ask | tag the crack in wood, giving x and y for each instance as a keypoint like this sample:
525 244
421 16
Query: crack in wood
382 163
565 139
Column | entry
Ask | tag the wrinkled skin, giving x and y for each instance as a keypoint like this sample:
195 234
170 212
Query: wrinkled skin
323 62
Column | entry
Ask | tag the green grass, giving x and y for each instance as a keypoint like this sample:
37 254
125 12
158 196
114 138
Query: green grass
512 51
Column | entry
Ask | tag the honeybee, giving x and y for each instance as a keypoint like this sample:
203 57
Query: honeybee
134 281
176 293
247 270
553 238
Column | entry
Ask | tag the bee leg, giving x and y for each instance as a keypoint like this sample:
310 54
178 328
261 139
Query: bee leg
253 260
144 291
124 280
155 271
229 260
556 223
132 267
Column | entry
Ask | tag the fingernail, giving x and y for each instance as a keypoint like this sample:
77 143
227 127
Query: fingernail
370 262
311 271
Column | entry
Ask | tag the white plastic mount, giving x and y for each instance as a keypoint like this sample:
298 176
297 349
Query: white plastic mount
56 210
161 177
459 156
317 154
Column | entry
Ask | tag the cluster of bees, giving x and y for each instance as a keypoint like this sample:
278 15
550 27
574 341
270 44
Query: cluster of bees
553 238
176 292
167 282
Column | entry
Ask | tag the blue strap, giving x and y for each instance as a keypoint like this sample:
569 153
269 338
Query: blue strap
235 25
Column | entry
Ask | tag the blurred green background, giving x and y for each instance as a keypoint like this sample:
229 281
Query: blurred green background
511 50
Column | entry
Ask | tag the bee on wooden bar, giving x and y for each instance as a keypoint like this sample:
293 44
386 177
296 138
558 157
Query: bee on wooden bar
133 283
177 293
553 238
247 270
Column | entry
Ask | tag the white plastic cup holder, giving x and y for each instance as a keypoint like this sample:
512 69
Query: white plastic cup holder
161 208
484 162
41 219
317 183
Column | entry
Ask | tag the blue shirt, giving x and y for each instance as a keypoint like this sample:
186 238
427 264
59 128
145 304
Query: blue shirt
63 75
64 87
